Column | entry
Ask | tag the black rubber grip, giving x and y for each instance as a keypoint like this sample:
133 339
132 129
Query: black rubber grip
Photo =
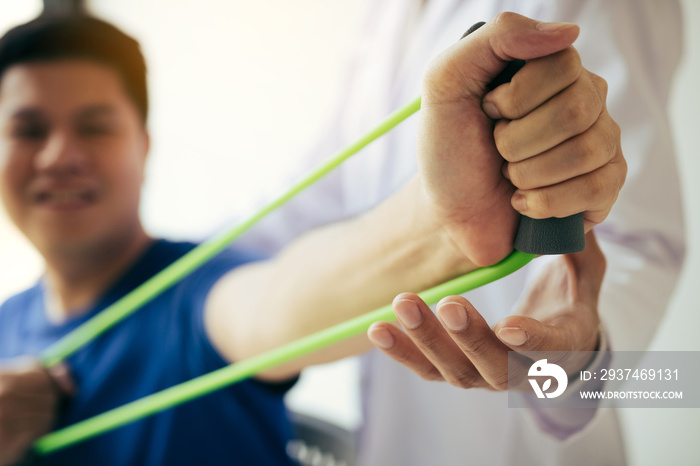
541 236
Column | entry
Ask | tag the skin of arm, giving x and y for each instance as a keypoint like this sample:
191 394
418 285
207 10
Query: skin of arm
330 275
460 211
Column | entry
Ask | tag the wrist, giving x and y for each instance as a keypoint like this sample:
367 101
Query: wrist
452 260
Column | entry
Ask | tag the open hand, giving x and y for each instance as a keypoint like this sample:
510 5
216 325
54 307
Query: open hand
557 313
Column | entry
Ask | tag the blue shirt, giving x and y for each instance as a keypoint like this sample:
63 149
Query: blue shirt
160 345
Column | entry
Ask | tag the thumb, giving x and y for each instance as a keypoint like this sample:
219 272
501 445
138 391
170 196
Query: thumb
589 267
60 374
472 63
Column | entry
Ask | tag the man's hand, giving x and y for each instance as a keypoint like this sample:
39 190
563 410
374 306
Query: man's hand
561 146
558 313
29 395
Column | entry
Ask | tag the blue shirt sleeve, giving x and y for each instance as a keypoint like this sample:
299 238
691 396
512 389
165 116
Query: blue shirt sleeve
201 357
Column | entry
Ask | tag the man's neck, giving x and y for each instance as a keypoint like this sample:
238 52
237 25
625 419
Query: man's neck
76 279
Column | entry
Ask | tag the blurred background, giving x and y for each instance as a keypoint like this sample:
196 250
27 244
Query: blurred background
230 115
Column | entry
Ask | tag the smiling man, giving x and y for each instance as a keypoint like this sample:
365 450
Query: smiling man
73 148
76 148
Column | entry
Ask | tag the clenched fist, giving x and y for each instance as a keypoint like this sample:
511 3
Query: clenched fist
543 145
29 396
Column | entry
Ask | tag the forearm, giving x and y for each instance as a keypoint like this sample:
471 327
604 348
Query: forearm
362 264
332 274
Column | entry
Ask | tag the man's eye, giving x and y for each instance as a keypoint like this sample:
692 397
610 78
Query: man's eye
95 130
32 133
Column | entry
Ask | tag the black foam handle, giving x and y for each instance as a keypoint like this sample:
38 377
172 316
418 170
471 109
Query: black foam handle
541 236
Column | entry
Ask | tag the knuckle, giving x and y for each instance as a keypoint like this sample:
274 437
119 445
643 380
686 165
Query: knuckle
517 176
592 152
588 156
513 107
612 190
478 347
500 383
504 147
517 106
573 60
594 186
402 356
465 377
430 343
612 145
579 155
539 204
596 96
577 114
601 84
622 163
613 194
504 18
601 190
511 100
430 374
570 65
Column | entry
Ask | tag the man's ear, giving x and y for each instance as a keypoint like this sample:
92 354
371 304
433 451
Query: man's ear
147 143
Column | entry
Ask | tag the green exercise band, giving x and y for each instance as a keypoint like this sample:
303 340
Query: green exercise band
223 377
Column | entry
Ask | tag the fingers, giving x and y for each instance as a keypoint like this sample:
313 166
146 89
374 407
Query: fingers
567 114
537 82
565 300
463 352
593 193
563 156
569 337
589 266
430 338
474 337
577 156
473 62
399 347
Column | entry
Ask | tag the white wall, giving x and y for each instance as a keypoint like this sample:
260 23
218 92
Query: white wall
226 117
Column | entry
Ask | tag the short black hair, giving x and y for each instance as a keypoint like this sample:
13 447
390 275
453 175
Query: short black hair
51 37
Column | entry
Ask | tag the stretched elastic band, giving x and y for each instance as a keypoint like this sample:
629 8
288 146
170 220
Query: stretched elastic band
239 371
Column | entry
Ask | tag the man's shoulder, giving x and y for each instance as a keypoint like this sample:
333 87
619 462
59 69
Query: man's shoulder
20 301
211 269
228 257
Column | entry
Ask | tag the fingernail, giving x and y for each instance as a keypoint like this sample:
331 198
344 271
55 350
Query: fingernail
504 170
491 110
381 337
513 336
408 313
454 316
553 27
519 203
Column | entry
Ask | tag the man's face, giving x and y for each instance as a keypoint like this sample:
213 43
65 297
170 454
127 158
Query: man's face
72 154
